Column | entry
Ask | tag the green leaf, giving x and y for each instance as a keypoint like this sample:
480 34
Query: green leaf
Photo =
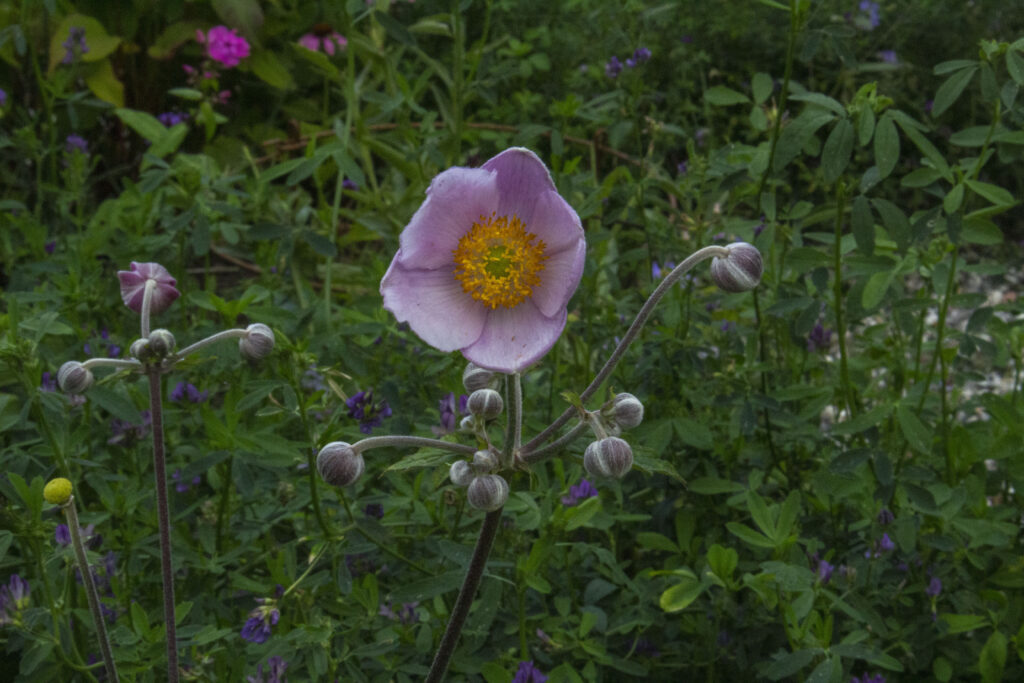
722 561
993 193
865 125
579 515
820 100
920 177
709 486
266 65
245 15
427 457
762 86
425 589
721 96
875 289
993 658
962 623
760 514
1015 66
694 433
894 220
911 129
115 404
953 200
749 536
916 434
835 156
681 595
863 223
973 136
943 68
104 84
978 230
652 540
887 146
142 123
789 664
949 91
796 134
172 37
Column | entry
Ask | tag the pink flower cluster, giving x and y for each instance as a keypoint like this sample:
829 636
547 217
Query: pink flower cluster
329 43
224 45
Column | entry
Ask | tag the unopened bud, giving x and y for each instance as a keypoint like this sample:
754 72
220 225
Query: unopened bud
485 403
740 271
258 341
461 473
467 424
57 491
488 493
161 343
339 464
474 377
608 457
74 378
627 410
141 351
485 462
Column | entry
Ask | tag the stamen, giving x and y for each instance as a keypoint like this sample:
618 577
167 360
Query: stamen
498 262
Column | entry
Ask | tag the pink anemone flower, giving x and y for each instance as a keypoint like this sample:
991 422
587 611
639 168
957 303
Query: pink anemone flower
328 42
489 262
133 286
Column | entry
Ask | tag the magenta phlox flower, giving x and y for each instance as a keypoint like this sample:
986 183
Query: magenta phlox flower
224 45
133 286
329 42
488 263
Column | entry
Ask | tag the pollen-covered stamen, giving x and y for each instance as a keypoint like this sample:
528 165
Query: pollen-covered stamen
498 262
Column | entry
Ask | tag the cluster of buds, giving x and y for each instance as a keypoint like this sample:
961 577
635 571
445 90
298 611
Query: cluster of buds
153 349
610 456
486 490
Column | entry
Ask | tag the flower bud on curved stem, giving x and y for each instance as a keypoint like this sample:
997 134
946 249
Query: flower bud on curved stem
141 351
485 403
627 411
610 457
339 464
474 377
488 493
461 473
74 378
257 343
740 271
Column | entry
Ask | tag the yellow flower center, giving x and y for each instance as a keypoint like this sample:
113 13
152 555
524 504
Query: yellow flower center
498 262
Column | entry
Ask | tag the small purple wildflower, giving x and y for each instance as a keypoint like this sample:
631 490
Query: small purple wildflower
183 390
528 673
123 431
657 271
641 55
759 228
13 599
578 492
62 534
370 414
312 380
928 105
75 45
819 339
349 184
257 628
934 587
451 410
75 142
359 564
406 614
276 667
886 543
3 97
50 247
824 571
885 517
870 17
183 486
683 167
49 382
888 56
613 68
375 510
172 118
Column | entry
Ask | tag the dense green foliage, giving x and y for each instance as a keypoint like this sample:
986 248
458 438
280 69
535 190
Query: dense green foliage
826 475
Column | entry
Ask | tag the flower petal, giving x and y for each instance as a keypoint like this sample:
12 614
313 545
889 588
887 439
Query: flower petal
559 279
555 222
433 303
522 178
515 338
456 199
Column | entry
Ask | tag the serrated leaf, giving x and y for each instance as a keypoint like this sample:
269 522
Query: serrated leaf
887 147
951 89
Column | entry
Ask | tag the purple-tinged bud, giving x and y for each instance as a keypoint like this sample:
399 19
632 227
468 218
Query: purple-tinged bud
339 464
608 457
258 341
627 410
485 462
74 378
740 271
461 473
161 343
141 351
133 286
488 493
485 403
475 377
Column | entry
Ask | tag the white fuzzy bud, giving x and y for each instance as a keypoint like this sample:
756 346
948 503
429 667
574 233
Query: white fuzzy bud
474 377
740 271
609 457
74 378
485 403
461 473
161 343
485 462
627 410
488 492
339 464
257 343
141 351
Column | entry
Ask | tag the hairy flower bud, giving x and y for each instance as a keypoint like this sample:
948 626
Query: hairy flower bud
467 424
608 457
627 410
141 351
74 378
161 343
339 464
485 462
474 377
258 341
57 491
485 403
740 271
488 493
461 473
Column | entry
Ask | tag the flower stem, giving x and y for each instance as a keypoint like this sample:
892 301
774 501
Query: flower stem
474 574
147 304
163 518
631 334
398 441
837 294
90 589
212 339
553 447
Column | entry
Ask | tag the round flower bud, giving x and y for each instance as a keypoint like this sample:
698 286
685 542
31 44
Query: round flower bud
339 464
141 351
485 403
258 341
488 493
474 377
74 378
484 462
627 410
467 424
57 491
608 457
161 343
740 271
461 473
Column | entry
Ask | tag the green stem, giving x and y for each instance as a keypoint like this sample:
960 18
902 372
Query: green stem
837 302
222 506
